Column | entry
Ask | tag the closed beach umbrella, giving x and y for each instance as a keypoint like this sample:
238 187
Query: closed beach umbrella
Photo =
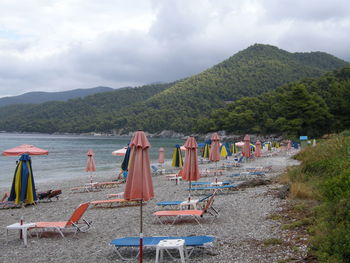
23 186
215 150
289 145
234 148
206 151
90 163
223 152
229 153
126 160
190 171
161 155
246 147
139 186
177 157
257 149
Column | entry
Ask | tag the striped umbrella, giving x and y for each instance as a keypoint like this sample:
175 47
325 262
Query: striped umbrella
206 151
177 157
23 186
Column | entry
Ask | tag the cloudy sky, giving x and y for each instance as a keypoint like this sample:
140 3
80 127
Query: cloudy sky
56 45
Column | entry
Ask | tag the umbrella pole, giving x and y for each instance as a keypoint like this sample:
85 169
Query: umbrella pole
141 234
189 194
216 168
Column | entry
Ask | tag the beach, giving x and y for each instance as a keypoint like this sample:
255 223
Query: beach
240 229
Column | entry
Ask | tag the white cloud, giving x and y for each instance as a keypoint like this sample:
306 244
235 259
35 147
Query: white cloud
59 45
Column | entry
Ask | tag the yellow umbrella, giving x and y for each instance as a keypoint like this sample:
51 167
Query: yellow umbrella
223 152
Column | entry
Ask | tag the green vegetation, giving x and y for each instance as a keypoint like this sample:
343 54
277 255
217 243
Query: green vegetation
311 107
326 170
183 106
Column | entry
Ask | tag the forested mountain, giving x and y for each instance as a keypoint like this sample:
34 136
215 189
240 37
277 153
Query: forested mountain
176 106
310 107
37 97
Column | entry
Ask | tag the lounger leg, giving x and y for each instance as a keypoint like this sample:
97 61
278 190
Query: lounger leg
157 255
182 256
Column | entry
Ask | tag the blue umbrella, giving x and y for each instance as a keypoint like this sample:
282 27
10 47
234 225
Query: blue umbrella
125 162
23 186
229 153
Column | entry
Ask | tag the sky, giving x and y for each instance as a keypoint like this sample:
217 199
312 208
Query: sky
58 45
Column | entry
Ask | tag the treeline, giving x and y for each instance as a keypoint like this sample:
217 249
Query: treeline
311 107
93 113
188 104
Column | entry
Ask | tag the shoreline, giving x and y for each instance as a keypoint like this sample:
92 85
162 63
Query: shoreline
240 229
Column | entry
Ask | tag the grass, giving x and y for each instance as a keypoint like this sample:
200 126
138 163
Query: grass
321 185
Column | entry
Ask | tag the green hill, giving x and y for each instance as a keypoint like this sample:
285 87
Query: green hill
175 106
310 107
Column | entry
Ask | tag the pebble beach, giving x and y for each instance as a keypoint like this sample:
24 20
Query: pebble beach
241 227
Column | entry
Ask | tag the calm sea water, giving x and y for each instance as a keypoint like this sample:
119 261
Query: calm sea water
67 154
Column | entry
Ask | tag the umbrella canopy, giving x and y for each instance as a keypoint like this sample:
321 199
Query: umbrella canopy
206 151
246 147
239 144
139 184
215 148
120 152
234 148
190 172
161 155
177 157
90 163
257 149
223 152
25 149
289 145
191 169
126 160
23 187
229 153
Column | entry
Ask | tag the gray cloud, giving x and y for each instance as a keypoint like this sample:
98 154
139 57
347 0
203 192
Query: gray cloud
116 44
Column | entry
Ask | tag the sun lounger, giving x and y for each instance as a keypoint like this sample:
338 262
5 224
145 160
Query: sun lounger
113 203
195 213
191 242
75 222
107 184
222 188
177 203
209 183
48 195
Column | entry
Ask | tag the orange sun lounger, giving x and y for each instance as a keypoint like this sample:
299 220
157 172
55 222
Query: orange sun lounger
195 214
73 223
119 202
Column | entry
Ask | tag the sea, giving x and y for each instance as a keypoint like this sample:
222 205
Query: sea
67 155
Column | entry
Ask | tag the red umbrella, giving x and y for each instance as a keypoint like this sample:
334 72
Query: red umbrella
190 171
139 184
25 148
246 147
161 155
90 164
257 149
215 150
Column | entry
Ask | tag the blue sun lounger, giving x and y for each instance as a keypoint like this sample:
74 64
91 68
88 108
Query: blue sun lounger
175 203
191 243
209 183
220 188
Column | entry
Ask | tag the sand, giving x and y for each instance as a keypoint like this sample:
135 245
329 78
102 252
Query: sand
240 228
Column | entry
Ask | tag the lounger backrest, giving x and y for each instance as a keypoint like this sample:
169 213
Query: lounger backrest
78 213
210 202
205 198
